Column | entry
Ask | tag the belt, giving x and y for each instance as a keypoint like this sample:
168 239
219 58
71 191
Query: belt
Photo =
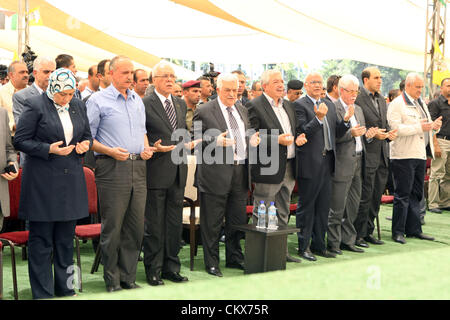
131 156
238 162
443 137
358 153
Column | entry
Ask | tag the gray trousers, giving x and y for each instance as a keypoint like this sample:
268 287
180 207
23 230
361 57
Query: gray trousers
279 193
122 192
345 197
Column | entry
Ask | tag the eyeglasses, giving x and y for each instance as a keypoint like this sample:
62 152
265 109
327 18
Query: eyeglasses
352 91
166 76
315 82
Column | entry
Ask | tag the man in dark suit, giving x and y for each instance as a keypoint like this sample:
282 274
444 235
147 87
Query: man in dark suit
347 180
166 180
277 124
242 81
376 170
316 165
223 173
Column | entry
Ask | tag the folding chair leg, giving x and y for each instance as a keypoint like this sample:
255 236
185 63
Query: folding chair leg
77 243
1 275
192 243
24 253
378 227
96 260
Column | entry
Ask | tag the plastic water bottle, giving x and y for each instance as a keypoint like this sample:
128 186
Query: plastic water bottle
273 220
261 215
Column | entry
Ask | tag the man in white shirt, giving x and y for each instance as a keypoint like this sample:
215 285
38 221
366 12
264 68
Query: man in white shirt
408 154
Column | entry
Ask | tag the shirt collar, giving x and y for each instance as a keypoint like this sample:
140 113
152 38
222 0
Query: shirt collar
162 98
331 98
370 94
38 88
272 101
224 107
343 103
116 93
409 97
312 99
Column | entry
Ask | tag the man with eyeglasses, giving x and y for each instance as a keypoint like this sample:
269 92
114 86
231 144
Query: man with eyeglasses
347 180
166 180
316 165
376 165
294 90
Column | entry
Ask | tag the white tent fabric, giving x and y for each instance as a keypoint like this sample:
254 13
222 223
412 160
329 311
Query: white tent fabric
384 32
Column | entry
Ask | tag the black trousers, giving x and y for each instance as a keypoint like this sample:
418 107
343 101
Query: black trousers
122 192
47 241
314 198
162 230
373 186
409 177
231 206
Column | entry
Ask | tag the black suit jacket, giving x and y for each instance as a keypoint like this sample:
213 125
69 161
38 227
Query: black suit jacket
161 170
262 116
215 177
311 154
375 119
53 187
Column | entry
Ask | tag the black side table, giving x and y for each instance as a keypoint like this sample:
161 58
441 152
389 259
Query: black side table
265 250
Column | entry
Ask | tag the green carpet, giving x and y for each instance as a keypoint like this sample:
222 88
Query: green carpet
417 270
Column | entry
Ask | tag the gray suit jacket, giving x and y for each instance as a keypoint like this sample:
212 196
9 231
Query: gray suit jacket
19 100
7 154
346 145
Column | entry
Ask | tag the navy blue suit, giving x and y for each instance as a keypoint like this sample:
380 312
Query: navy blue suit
53 191
315 169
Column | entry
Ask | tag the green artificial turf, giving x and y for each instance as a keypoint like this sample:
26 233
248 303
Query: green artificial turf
418 270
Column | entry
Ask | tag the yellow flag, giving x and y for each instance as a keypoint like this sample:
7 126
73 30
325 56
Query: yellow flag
35 18
16 56
441 71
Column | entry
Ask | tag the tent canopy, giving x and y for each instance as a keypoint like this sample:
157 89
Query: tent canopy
386 32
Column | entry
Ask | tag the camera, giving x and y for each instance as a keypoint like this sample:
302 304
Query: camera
3 71
212 74
11 168
28 58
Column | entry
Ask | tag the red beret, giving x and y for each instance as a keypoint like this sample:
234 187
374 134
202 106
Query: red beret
191 84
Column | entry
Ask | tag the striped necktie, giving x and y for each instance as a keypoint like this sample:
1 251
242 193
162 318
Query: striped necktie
239 151
171 113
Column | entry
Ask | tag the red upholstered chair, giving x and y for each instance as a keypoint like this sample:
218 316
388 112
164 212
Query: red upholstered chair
427 178
88 231
15 238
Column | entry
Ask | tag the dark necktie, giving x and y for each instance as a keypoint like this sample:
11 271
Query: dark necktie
326 131
239 151
375 102
171 113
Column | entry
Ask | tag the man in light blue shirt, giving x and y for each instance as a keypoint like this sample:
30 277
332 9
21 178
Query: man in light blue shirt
117 120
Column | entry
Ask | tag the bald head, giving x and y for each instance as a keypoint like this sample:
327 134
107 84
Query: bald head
121 71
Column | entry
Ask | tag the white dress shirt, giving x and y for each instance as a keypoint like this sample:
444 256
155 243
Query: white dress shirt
283 118
240 123
66 122
353 123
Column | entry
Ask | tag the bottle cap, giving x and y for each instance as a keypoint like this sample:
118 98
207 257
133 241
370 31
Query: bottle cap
262 202
272 203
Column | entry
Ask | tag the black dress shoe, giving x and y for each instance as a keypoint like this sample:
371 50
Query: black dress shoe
422 236
155 281
335 250
235 265
308 256
173 276
325 254
399 239
113 288
361 243
214 271
373 240
435 210
127 285
351 248
290 258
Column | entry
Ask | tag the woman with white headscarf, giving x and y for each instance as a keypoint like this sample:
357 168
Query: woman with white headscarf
54 133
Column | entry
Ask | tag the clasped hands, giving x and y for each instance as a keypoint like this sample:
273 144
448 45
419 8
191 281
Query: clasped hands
80 147
223 141
431 125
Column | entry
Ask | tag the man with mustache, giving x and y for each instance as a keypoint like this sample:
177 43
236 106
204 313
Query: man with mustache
18 80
